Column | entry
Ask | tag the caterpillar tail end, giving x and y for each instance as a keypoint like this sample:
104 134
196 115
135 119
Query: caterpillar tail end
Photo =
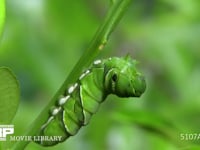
51 133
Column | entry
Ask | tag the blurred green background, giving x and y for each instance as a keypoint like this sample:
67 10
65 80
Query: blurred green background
43 39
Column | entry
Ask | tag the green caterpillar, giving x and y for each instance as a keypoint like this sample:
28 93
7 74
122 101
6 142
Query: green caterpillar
75 108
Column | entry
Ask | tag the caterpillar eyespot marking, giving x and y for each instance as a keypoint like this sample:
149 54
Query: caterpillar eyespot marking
82 99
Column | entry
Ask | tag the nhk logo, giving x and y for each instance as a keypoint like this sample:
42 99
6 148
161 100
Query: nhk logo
5 130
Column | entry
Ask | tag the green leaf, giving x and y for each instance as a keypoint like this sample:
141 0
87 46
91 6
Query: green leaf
2 14
9 95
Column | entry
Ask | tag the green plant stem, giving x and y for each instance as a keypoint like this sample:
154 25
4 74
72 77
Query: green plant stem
2 15
100 39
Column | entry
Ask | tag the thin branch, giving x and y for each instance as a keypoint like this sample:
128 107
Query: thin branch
97 44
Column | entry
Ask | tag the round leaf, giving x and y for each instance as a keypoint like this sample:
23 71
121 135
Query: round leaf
9 95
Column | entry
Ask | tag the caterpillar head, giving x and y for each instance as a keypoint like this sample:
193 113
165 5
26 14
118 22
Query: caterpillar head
122 78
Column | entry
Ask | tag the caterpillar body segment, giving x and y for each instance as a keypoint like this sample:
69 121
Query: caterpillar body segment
73 110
